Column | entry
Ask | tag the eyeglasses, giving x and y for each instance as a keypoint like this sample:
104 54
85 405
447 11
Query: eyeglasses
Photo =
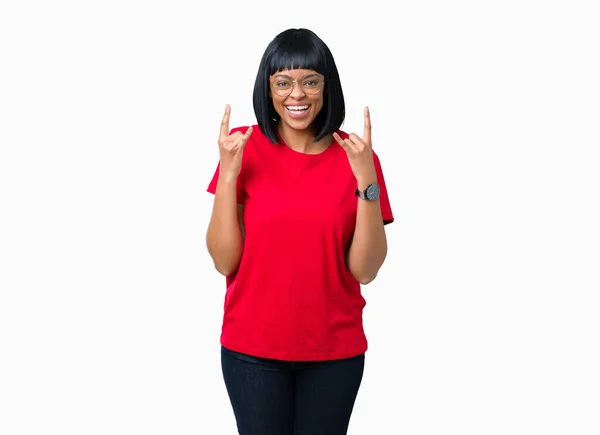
311 84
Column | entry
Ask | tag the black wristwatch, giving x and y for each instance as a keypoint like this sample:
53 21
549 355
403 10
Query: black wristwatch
371 193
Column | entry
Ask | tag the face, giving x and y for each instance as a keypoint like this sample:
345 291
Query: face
297 97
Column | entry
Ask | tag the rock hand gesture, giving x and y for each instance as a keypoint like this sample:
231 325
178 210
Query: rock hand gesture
359 150
231 148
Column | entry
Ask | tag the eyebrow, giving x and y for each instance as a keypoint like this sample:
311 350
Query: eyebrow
303 77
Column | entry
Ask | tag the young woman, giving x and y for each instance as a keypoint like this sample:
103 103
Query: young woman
297 226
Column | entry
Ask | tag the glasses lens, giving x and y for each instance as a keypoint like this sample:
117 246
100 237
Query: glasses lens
310 85
282 87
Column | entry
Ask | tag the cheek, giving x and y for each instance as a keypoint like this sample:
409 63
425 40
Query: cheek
318 103
277 104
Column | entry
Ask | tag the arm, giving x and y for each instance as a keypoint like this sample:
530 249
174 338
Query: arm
225 234
368 246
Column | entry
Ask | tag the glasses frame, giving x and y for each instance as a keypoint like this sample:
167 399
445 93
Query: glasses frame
294 82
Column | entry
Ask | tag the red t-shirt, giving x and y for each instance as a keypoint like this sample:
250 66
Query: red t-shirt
292 297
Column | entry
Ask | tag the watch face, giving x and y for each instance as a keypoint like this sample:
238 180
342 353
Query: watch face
373 192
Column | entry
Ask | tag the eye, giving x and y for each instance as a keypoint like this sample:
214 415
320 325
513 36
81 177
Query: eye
283 84
311 83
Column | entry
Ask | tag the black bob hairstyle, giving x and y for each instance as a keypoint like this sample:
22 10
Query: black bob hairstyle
299 49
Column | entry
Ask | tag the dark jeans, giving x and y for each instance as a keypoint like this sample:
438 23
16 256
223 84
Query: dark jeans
272 397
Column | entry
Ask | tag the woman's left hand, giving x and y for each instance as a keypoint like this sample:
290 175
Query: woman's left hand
360 151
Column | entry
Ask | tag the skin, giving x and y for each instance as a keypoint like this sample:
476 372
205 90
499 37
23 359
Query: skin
225 236
299 134
368 248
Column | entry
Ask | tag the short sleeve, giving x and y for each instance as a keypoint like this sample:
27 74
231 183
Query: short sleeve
384 200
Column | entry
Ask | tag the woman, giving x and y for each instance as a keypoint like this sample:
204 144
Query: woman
297 226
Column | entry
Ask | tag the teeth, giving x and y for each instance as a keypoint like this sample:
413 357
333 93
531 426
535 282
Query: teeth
298 108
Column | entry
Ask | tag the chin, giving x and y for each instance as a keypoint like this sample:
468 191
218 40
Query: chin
298 124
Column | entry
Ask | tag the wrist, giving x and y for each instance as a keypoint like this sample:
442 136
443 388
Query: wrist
225 178
364 181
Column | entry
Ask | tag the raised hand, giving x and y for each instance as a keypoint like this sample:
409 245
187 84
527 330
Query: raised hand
231 148
360 151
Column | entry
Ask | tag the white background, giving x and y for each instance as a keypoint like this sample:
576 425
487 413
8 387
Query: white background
485 317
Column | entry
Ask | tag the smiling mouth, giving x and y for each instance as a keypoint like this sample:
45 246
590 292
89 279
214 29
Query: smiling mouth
297 108
297 111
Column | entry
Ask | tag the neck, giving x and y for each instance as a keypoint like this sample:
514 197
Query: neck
302 141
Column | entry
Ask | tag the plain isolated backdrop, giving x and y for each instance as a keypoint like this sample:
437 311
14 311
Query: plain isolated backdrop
483 320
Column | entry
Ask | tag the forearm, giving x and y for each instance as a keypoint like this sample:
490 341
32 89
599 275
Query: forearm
224 236
369 244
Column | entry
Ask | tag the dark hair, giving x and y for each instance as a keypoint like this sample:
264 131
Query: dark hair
299 49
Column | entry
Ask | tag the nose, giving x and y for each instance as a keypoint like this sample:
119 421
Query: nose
297 91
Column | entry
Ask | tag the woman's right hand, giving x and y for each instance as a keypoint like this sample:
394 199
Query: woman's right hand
231 148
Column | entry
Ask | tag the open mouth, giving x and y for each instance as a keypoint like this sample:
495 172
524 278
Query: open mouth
297 111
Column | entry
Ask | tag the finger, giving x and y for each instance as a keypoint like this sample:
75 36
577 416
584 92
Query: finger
246 137
225 124
356 141
344 143
339 140
232 140
351 146
367 129
241 142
